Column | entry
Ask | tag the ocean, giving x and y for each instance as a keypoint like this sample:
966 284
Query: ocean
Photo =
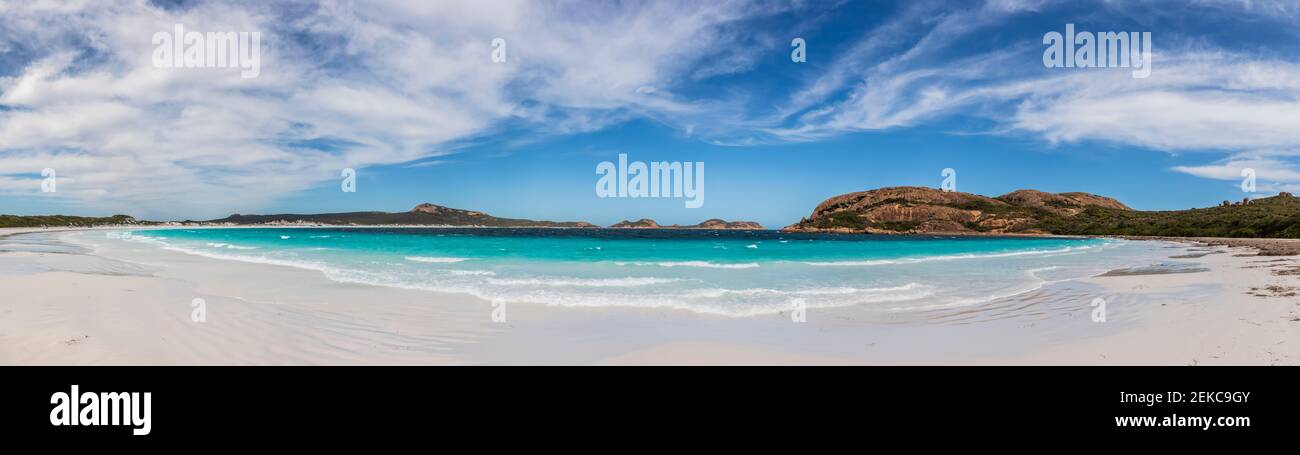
727 273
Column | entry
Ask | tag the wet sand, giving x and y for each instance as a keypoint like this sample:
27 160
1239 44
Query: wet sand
1264 247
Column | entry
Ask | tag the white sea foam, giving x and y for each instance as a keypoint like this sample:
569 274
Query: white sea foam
581 282
231 247
829 291
435 260
244 258
470 272
945 257
702 264
1034 284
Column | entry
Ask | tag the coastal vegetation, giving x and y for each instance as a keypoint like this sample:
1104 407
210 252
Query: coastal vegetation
1271 217
15 221
915 210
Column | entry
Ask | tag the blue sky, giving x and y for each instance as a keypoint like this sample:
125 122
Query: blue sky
407 94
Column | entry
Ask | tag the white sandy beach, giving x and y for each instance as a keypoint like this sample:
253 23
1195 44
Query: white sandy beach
132 304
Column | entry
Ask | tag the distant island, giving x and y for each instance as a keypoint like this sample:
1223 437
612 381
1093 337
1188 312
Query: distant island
714 223
435 215
918 210
422 215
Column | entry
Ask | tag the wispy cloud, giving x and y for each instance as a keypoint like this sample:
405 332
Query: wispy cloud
1271 168
389 80
1196 97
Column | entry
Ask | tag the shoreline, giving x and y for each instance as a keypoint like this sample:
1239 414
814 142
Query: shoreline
1264 246
269 314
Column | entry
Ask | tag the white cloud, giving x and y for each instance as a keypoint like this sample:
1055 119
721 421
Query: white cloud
390 80
1273 173
904 74
1194 102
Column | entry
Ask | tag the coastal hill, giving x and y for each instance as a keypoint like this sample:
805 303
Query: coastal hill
644 223
916 210
422 215
928 210
9 221
714 223
1068 204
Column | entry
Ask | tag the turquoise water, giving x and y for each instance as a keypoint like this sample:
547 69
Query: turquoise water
733 273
